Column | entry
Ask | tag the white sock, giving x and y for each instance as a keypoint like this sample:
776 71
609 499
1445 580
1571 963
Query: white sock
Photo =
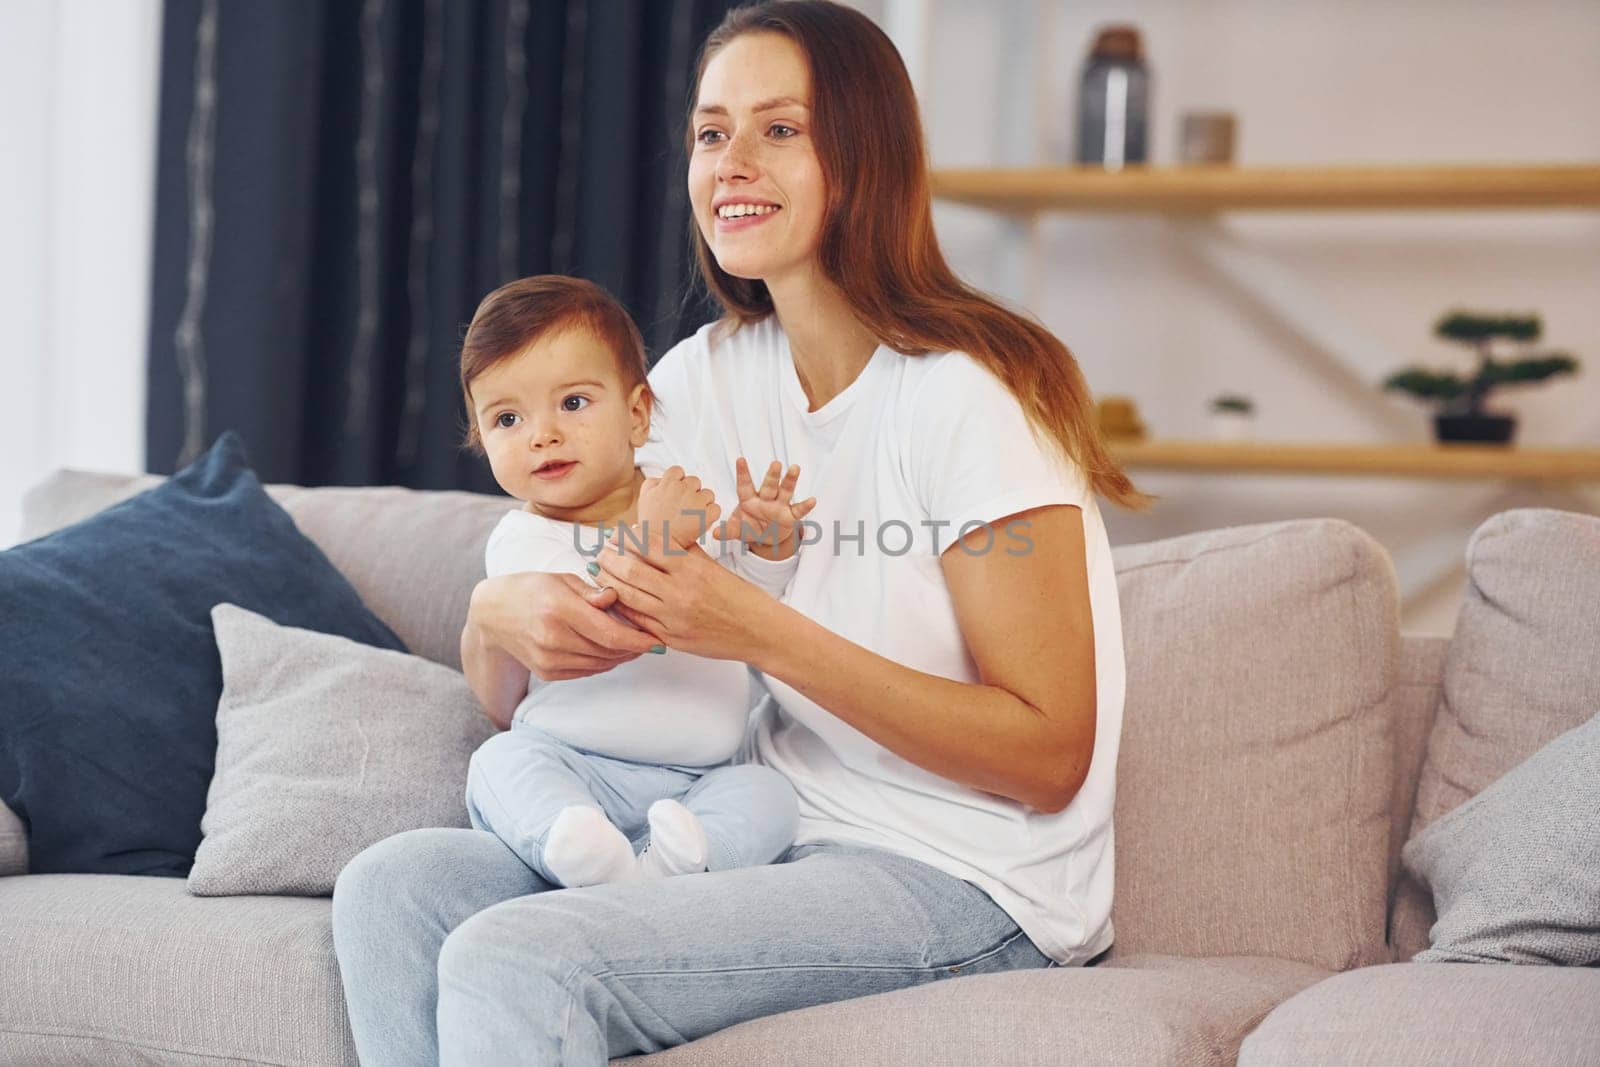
583 848
677 842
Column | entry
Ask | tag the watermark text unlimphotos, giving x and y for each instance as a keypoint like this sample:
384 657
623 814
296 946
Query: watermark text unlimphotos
894 537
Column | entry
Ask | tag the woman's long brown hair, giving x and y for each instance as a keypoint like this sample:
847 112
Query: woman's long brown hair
878 243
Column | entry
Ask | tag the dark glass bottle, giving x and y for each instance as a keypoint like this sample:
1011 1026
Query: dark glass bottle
1113 101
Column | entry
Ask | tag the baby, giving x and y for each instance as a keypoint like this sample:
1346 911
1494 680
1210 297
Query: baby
553 371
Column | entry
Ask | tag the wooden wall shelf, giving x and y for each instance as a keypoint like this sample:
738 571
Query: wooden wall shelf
1212 188
1413 461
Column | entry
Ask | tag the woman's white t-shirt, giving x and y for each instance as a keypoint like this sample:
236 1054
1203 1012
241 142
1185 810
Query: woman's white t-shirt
915 451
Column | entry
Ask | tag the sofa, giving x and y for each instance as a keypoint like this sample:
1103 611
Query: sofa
1282 740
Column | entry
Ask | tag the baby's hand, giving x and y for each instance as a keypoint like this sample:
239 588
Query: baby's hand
764 519
676 503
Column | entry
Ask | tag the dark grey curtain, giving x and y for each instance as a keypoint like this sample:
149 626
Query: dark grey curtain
339 184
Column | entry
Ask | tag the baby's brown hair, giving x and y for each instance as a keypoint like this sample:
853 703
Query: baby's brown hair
518 313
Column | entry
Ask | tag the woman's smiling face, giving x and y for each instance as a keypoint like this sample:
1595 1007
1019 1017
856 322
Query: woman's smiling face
755 182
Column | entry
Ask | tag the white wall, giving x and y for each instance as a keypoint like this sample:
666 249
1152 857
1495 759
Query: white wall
1312 81
78 97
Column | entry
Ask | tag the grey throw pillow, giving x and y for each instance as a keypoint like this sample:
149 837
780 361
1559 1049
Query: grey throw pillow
325 746
1515 871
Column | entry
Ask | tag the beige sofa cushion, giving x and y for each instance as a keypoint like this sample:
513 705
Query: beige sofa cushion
68 496
114 969
413 556
1412 705
187 980
1255 772
1523 667
1436 1013
1140 1010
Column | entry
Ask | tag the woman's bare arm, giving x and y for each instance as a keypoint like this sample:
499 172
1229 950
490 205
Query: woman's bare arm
1026 732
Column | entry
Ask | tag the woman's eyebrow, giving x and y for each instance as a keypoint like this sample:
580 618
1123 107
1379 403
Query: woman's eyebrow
765 105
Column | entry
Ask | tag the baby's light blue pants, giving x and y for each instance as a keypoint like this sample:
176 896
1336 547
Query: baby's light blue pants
520 780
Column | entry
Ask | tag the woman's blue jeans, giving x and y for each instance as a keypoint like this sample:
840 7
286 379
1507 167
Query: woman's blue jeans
452 951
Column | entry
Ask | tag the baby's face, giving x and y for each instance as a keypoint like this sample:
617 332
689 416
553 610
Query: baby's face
560 426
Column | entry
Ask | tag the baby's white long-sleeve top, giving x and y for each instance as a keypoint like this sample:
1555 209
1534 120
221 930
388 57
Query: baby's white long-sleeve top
676 709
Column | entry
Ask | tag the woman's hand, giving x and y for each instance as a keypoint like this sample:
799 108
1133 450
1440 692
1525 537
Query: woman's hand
552 625
687 600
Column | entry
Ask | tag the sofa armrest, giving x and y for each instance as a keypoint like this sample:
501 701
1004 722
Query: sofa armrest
67 496
13 843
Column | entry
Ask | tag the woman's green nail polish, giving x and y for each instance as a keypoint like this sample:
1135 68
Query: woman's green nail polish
594 568
660 650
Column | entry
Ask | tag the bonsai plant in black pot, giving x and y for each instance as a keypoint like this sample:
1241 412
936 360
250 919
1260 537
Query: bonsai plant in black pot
1460 414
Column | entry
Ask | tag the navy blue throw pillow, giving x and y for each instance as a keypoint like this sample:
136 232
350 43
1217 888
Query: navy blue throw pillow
111 677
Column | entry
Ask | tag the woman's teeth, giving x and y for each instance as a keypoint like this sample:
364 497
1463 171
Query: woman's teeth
738 211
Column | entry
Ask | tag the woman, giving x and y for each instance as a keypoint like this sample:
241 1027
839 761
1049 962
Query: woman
946 669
